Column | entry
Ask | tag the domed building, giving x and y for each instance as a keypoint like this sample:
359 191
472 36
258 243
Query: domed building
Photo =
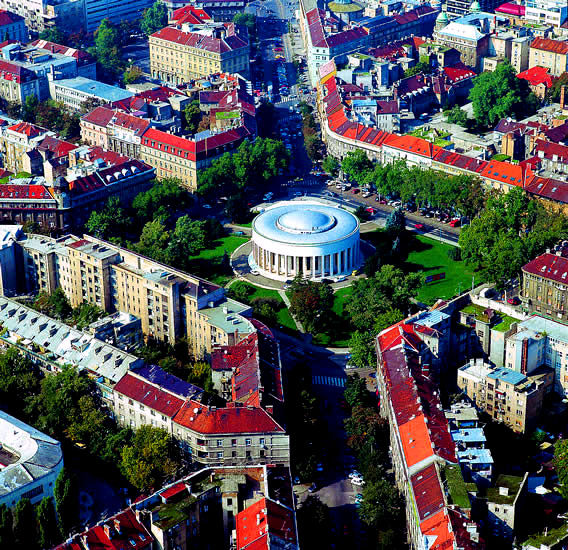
346 10
307 238
475 7
441 21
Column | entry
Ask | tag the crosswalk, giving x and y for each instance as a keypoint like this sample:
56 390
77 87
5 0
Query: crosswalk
328 381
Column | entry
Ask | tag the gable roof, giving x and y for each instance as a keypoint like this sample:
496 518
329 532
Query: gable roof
536 75
228 420
549 45
549 266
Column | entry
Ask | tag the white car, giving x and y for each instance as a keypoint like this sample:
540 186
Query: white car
339 279
359 482
350 366
355 473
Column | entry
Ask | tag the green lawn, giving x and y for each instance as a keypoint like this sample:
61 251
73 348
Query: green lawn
283 316
431 257
207 263
338 333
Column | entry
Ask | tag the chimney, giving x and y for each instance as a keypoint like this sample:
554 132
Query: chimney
117 525
212 477
108 531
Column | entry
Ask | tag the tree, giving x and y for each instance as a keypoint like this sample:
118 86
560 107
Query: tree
25 531
154 18
356 165
47 523
53 34
266 119
132 74
6 527
553 93
420 67
55 304
56 406
163 198
456 115
499 94
561 464
19 380
89 421
29 108
330 165
107 49
389 289
192 116
396 223
362 347
314 523
151 456
310 302
363 427
154 240
201 375
356 392
66 495
111 221
241 291
247 20
380 505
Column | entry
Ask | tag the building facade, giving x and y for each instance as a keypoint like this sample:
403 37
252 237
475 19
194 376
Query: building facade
13 27
545 286
305 238
32 461
506 395
178 55
548 53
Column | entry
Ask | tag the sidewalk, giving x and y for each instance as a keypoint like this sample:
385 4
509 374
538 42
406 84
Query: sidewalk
286 300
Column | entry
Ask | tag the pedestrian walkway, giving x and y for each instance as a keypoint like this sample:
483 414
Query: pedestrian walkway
328 381
286 301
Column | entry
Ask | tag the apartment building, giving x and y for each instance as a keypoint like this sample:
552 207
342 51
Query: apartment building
181 54
421 443
17 83
545 286
505 505
227 507
506 395
94 11
546 12
170 303
62 203
540 341
183 157
548 53
73 92
13 26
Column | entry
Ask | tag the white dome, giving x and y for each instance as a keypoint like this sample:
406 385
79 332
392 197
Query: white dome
305 221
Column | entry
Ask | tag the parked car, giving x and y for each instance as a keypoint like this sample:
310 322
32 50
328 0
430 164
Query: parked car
207 206
354 191
455 222
355 473
514 301
339 279
370 210
419 226
357 482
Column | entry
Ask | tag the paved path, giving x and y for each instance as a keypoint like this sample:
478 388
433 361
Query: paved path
286 300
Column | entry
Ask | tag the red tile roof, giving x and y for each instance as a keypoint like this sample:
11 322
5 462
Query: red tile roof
11 71
510 8
9 18
149 395
28 129
415 145
230 420
428 494
82 57
458 73
549 266
190 14
504 172
100 116
536 75
58 147
549 45
265 518
118 533
231 41
22 192
173 491
548 188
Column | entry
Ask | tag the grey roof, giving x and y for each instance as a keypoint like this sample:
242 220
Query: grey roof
305 223
38 454
63 344
540 325
94 88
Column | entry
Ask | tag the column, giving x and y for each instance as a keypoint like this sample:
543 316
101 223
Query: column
331 264
322 266
348 258
313 266
286 259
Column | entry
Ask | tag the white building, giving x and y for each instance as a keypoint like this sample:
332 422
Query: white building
307 238
546 12
31 462
73 92
540 341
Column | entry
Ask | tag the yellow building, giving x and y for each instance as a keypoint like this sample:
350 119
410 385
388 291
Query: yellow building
178 55
171 304
552 54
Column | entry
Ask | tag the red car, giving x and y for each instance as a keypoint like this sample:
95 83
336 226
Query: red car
278 49
370 209
514 301
419 226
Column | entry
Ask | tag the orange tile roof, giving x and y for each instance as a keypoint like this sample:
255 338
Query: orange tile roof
416 145
548 45
416 442
504 172
437 529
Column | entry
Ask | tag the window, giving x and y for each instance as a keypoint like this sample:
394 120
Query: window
229 502
248 442
219 443
220 454
261 441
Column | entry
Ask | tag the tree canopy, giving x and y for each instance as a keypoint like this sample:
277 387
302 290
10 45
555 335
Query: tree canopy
154 18
356 165
389 289
309 302
108 42
456 115
499 94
